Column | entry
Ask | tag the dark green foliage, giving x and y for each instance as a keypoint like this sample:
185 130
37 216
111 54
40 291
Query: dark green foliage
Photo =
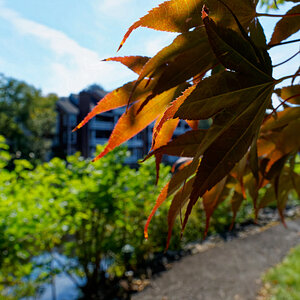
283 280
27 119
82 210
87 213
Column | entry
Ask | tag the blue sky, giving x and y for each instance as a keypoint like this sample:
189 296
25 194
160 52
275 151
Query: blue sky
57 45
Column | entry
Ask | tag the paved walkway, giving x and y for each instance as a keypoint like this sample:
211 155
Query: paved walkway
229 271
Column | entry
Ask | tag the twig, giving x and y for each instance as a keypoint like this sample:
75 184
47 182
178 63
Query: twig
284 43
286 60
287 77
67 272
275 109
277 16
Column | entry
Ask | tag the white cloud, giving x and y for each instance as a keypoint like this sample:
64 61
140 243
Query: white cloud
112 7
74 67
133 9
117 9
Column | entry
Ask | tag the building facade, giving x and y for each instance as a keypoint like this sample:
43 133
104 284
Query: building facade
71 110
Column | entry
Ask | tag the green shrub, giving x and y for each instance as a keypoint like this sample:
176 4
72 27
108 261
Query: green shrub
284 279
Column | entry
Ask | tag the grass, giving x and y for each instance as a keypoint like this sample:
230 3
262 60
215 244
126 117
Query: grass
283 281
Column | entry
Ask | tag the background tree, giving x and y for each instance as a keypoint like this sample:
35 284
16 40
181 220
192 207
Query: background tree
271 3
86 221
217 68
75 221
27 119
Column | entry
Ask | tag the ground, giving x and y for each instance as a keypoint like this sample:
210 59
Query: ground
231 270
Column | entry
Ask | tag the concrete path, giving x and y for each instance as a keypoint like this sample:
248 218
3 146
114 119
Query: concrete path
229 271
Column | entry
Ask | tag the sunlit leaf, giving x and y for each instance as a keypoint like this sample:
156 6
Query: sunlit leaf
216 71
188 63
268 197
229 147
288 139
162 138
285 184
253 159
117 98
236 53
216 93
282 119
160 200
177 204
292 93
194 124
184 145
236 202
186 44
181 15
134 63
211 200
276 168
182 176
258 37
173 107
286 26
239 171
132 122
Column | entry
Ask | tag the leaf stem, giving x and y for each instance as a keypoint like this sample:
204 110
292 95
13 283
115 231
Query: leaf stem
286 77
275 109
284 43
287 59
277 16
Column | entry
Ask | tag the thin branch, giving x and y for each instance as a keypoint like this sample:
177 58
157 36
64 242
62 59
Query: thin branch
284 43
287 60
286 77
295 76
275 109
67 272
277 16
53 286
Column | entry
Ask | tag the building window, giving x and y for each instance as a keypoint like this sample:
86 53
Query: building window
65 120
141 152
73 120
103 134
73 137
138 153
93 151
140 136
64 137
105 118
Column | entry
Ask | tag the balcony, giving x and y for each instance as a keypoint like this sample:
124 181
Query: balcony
101 125
135 143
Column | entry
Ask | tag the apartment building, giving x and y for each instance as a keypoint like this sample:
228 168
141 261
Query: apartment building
71 110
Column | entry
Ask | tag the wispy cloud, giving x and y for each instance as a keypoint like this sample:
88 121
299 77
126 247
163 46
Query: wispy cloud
133 9
116 9
113 8
74 67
